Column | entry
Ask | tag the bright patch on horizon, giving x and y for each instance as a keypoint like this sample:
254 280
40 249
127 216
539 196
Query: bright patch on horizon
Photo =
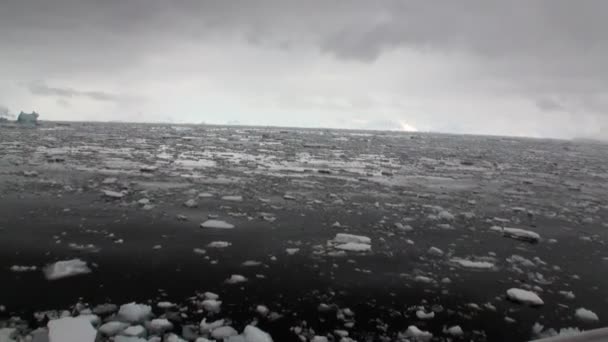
407 127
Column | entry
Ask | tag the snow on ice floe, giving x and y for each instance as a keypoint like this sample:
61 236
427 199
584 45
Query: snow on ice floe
586 315
71 329
346 238
113 194
160 325
217 224
254 334
521 234
219 244
417 334
472 264
292 251
113 328
134 330
435 251
66 268
524 296
354 247
212 305
455 330
233 198
133 312
224 332
235 279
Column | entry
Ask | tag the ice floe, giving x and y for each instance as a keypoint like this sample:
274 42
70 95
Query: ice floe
524 296
217 224
66 268
71 329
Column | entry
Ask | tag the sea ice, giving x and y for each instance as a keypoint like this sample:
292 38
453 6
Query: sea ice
217 224
219 244
524 296
71 329
235 279
585 315
133 312
66 268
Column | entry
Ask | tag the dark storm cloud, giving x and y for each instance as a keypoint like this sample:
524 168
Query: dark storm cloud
41 88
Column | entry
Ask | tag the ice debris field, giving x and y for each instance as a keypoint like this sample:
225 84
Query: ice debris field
142 232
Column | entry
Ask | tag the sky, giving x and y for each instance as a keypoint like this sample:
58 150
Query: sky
523 68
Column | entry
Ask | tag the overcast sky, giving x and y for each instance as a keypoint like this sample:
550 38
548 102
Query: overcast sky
531 68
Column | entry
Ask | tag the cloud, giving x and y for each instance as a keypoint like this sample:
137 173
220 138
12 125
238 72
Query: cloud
465 66
4 113
41 88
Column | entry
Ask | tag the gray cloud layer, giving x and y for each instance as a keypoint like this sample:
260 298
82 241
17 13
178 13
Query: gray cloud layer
40 88
550 52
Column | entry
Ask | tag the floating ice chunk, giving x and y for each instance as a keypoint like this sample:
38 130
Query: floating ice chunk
133 312
199 251
319 339
354 247
585 315
8 335
135 330
211 295
104 309
403 227
206 327
292 251
455 330
165 305
217 224
289 197
148 168
425 315
202 339
66 268
223 332
20 268
113 328
109 180
435 251
521 234
160 325
253 334
524 296
567 294
262 310
472 264
71 329
235 279
113 194
445 215
129 339
423 279
233 198
346 238
205 195
219 244
417 334
94 319
173 338
212 305
191 203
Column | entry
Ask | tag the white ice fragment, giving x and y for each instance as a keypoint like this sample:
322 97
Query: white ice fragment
585 315
235 279
206 327
223 332
425 315
21 268
254 334
219 244
212 305
135 330
71 329
524 296
211 295
346 238
173 338
319 339
417 334
113 328
160 325
262 310
233 198
191 203
567 294
435 251
455 330
205 195
123 338
66 268
472 264
521 234
165 305
217 224
109 180
292 251
133 312
113 194
8 335
354 247
423 279
199 251
445 215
